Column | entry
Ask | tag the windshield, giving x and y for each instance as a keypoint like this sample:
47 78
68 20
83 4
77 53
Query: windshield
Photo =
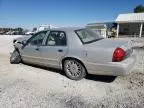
87 35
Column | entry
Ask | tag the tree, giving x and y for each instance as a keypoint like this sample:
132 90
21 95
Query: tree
19 30
139 9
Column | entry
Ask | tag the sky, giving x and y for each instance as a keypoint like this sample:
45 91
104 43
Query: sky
30 13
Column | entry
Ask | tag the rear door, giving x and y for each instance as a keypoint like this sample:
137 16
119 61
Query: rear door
31 51
55 48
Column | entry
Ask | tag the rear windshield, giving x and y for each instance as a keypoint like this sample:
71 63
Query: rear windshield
87 35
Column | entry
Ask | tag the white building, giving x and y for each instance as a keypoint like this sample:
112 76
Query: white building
45 26
99 28
40 28
130 24
102 28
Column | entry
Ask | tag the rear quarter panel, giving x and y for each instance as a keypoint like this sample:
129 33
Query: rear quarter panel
99 54
75 47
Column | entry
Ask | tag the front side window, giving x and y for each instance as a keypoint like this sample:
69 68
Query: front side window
56 38
38 38
87 36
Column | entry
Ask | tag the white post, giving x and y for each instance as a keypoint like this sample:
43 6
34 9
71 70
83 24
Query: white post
117 30
141 27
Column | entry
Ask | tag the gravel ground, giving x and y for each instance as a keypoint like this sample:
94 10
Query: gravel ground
25 86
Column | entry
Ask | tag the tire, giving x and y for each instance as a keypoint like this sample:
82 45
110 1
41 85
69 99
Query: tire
15 57
74 69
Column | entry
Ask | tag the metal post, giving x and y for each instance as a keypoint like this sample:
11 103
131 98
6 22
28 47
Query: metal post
117 30
141 27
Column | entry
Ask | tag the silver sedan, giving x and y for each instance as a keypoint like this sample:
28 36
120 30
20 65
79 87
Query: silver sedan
77 51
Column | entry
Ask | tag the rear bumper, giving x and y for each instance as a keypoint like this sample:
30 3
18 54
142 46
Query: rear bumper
125 67
114 68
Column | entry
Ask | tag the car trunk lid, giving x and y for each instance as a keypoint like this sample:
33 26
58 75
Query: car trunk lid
109 46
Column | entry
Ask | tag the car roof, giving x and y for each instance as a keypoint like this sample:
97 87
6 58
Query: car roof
66 29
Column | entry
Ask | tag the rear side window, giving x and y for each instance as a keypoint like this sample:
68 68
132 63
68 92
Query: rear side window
56 38
87 35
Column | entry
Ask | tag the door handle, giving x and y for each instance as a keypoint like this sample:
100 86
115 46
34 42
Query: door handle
60 50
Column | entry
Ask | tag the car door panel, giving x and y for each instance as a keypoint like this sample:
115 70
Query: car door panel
30 54
52 55
31 51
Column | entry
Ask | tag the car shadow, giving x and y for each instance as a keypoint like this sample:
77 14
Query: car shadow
100 78
46 68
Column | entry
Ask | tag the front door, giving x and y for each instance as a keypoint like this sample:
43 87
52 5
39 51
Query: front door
31 51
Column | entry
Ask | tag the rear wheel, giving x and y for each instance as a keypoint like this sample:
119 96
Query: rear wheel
15 57
74 69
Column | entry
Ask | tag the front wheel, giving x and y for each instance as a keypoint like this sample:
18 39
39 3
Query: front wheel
74 69
15 57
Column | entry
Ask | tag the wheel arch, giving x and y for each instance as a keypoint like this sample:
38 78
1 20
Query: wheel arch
67 58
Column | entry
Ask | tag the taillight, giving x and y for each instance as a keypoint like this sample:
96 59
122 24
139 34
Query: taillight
118 55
